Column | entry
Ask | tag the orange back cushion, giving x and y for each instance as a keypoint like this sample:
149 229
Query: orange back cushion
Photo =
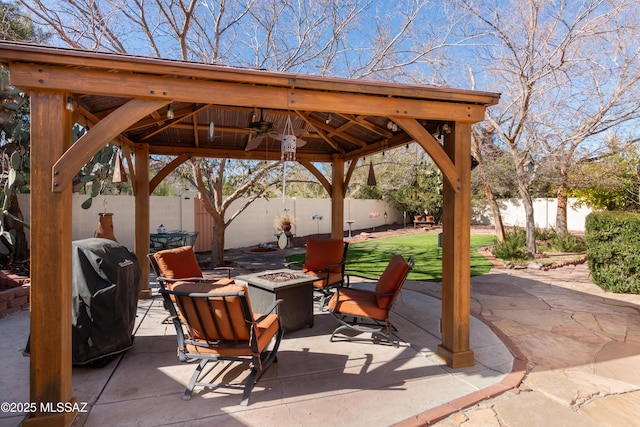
392 278
178 263
322 253
198 316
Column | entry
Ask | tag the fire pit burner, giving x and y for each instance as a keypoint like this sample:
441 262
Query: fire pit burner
280 277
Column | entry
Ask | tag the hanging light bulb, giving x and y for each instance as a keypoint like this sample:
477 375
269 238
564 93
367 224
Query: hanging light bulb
69 105
254 115
212 128
170 112
328 120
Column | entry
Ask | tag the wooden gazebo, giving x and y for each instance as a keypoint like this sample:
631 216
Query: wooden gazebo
164 107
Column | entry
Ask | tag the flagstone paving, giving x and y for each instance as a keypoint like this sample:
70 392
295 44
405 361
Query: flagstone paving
582 347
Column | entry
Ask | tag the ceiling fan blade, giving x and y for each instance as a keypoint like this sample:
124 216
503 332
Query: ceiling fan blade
253 143
300 142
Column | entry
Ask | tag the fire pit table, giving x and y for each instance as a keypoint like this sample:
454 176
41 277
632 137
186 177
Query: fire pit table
294 287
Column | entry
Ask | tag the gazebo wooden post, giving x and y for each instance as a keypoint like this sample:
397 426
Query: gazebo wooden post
142 222
456 233
51 270
337 198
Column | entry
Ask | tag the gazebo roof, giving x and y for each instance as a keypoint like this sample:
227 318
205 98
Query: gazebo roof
347 118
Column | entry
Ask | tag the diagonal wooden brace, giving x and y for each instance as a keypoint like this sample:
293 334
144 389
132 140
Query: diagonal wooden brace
100 135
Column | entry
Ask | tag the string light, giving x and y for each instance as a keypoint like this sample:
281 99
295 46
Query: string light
170 112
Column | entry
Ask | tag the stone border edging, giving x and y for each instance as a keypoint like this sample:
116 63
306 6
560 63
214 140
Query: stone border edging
510 382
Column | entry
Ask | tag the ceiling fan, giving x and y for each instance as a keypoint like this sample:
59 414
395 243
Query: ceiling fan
261 129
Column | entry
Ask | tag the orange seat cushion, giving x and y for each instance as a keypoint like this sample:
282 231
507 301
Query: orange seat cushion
204 329
357 303
322 253
392 278
178 263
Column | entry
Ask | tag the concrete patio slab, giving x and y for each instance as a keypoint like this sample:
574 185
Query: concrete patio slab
315 381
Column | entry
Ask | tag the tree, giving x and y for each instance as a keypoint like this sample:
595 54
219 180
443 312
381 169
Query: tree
14 142
344 38
610 181
480 142
209 178
544 56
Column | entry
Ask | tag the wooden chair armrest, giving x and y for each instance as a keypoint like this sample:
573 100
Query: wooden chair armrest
299 264
185 279
366 291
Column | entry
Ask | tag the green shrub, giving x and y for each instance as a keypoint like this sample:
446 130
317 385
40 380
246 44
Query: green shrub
513 247
613 250
545 234
567 242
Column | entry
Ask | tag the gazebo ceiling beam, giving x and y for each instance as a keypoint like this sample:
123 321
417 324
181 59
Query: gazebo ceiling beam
221 153
238 94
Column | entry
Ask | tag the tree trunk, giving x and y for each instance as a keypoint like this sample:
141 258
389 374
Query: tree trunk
217 244
495 210
530 221
476 149
561 212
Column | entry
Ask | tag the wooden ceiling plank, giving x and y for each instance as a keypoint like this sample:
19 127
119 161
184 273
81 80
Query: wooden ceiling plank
100 135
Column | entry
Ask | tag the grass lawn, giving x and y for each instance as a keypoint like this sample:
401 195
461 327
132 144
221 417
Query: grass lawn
369 258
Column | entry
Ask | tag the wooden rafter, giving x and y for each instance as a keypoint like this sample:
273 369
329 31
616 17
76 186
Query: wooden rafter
330 131
363 122
306 117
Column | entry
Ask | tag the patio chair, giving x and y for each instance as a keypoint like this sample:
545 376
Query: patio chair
180 265
363 311
326 258
215 323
